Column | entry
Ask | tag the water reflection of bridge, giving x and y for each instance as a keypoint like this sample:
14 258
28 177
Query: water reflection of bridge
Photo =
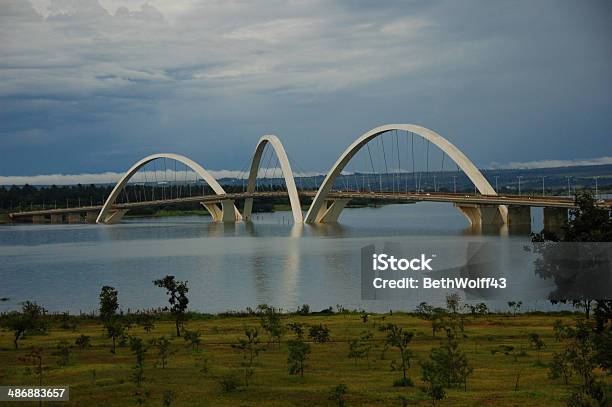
148 184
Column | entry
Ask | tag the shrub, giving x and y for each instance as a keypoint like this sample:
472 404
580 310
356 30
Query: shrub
337 394
83 341
193 338
163 346
229 382
360 348
169 397
63 353
407 382
319 333
297 328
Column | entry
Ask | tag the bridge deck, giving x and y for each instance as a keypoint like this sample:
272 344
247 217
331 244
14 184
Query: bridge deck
537 201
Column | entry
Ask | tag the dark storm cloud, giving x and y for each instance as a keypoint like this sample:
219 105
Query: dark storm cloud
88 86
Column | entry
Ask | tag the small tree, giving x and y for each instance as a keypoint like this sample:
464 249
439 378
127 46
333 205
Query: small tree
83 342
35 357
298 353
177 297
338 393
229 382
560 366
193 338
297 328
146 321
478 309
450 363
319 333
270 320
537 343
115 329
452 302
169 397
141 396
430 374
510 351
109 302
250 348
396 337
438 323
361 347
163 346
424 311
30 320
63 352
139 350
515 306
364 317
561 330
582 356
113 324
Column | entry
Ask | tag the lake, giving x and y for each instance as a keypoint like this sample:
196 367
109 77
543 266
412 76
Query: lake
228 266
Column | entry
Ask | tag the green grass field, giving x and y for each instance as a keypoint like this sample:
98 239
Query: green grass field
98 378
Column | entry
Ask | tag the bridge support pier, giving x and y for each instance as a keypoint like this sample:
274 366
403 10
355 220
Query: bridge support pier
519 218
214 210
74 218
555 219
482 215
57 218
330 212
248 209
39 219
115 217
226 213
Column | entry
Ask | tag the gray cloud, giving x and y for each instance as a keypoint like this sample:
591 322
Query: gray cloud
92 86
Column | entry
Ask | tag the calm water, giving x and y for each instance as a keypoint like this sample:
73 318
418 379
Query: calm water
229 267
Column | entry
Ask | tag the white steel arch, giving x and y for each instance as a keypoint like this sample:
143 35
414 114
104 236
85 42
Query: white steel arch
317 207
205 175
279 150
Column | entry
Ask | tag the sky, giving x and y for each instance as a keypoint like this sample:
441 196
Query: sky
91 86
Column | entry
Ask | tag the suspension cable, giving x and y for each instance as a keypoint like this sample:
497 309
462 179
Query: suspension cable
427 166
382 142
413 168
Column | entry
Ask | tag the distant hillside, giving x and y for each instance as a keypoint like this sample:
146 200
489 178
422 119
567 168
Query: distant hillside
555 179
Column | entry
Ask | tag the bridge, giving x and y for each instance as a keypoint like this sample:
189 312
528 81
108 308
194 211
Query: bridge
146 185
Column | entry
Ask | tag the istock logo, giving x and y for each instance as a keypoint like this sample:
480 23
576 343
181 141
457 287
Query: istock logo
384 262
